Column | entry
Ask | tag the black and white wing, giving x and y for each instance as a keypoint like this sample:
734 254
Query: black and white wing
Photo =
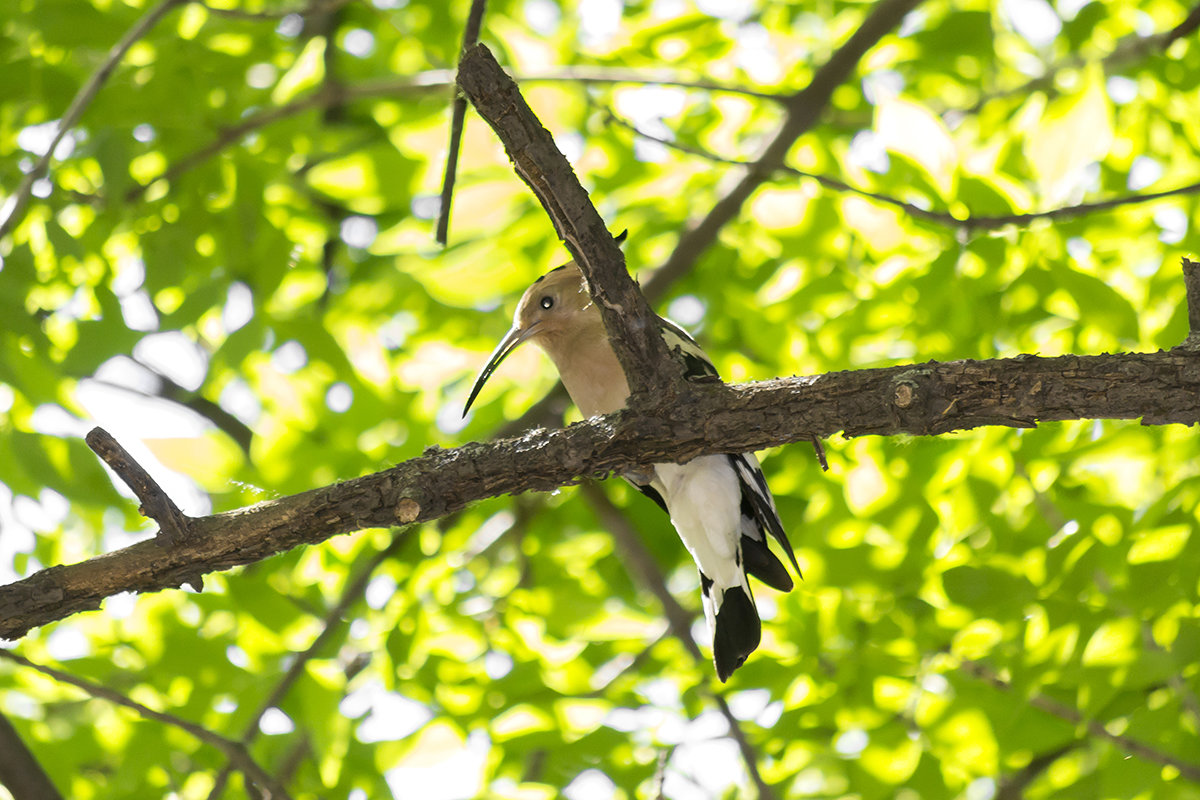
758 513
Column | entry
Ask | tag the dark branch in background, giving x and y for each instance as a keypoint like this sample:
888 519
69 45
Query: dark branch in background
1095 728
458 118
921 399
1013 785
79 104
1128 49
426 82
232 750
631 325
173 525
638 560
20 771
317 7
803 110
351 594
1185 28
971 222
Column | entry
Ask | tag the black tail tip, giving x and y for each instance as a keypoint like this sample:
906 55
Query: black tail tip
738 632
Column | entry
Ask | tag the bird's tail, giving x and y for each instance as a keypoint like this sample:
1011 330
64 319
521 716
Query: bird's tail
734 623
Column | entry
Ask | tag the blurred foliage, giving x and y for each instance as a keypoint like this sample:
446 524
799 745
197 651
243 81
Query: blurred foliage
275 316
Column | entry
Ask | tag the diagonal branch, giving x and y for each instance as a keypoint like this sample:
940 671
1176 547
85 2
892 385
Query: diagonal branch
234 751
632 326
79 104
173 525
351 594
20 772
639 561
804 109
1094 727
925 399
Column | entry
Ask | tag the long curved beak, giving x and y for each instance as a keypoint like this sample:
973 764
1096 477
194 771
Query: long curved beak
510 342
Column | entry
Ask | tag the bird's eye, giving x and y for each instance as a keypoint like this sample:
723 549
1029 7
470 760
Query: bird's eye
547 302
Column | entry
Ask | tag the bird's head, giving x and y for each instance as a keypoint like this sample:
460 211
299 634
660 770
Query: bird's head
552 312
555 308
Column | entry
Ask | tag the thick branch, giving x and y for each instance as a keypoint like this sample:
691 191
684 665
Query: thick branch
1191 282
630 322
923 399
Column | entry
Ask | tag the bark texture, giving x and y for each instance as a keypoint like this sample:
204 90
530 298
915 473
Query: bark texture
922 399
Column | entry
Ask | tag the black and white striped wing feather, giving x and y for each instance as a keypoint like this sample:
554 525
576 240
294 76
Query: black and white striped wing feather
758 511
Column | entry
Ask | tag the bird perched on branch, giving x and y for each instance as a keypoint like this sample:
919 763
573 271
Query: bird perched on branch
719 504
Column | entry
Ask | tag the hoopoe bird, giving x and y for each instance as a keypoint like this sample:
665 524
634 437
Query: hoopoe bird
720 504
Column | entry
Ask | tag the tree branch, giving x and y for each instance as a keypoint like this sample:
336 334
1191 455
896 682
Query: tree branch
20 771
233 750
1191 282
173 525
1012 786
458 117
79 104
804 109
639 562
1094 727
923 399
632 326
351 594
421 82
969 223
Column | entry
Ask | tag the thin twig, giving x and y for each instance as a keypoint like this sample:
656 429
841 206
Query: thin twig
172 523
79 104
967 223
421 82
458 119
601 76
234 751
1064 712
